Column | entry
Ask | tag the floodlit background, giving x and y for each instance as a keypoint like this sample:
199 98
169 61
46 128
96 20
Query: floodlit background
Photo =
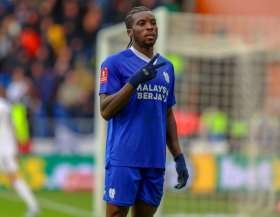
226 56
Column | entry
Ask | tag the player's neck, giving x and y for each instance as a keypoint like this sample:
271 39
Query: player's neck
149 52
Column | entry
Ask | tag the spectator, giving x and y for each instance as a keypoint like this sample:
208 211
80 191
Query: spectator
69 93
18 87
56 37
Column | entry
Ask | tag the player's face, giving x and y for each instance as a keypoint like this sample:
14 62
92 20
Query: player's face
144 29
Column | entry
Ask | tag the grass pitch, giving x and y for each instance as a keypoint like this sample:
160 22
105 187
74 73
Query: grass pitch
53 204
78 204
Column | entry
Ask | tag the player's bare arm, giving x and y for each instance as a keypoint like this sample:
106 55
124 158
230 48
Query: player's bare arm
111 105
171 133
174 148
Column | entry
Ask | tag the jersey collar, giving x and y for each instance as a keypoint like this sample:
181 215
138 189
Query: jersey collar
142 56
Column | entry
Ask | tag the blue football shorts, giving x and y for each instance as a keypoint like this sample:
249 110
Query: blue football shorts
124 184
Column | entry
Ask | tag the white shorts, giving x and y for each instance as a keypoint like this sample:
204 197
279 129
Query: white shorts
8 164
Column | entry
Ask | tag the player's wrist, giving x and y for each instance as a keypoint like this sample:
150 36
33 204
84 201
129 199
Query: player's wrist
180 159
134 80
139 77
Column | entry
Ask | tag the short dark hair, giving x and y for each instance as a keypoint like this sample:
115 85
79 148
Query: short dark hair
128 19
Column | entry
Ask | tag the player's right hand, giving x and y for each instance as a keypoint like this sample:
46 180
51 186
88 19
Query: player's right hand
146 73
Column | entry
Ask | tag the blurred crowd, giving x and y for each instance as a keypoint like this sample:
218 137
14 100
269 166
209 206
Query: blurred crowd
47 52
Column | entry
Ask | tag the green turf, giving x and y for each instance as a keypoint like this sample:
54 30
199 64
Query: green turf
12 206
78 199
57 204
218 203
186 202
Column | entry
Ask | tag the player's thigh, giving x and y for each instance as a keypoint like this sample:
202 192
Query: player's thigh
142 209
151 186
116 211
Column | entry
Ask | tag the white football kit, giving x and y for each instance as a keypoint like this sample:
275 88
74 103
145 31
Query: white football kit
8 144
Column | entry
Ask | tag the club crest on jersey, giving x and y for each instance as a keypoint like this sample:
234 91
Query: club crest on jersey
112 193
104 75
166 76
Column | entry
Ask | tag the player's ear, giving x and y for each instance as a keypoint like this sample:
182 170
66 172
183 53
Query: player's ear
129 32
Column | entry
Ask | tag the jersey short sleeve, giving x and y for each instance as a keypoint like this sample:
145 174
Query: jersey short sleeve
110 79
171 97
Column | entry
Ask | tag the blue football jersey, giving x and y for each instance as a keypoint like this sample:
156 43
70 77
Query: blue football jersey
136 137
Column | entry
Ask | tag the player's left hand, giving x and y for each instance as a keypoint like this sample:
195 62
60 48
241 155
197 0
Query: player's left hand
146 73
182 171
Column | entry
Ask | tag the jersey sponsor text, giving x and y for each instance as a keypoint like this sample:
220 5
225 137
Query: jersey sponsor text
156 92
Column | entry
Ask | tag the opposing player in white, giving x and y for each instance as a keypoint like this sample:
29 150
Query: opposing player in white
8 157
